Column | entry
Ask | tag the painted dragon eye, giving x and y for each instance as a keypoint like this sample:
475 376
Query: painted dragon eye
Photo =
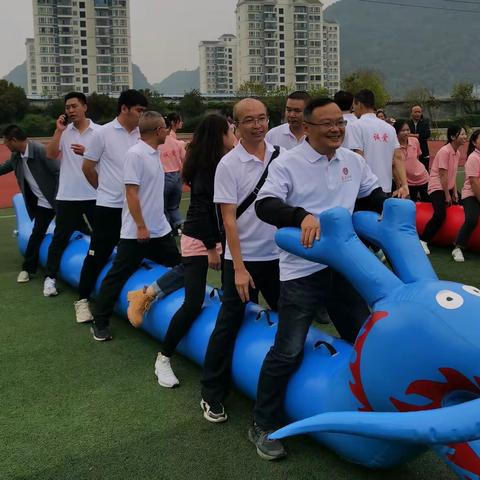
472 290
449 300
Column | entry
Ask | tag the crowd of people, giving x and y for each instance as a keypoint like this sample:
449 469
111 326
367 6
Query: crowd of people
121 183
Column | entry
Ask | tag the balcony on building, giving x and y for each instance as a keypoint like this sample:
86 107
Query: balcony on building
64 11
270 26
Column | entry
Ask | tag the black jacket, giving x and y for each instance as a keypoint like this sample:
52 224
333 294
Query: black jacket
423 130
201 222
44 170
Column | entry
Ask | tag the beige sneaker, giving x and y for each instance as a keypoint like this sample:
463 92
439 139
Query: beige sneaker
457 255
82 311
23 277
139 302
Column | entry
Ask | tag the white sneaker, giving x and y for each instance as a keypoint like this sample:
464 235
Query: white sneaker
164 372
82 311
23 277
381 256
457 255
49 287
425 247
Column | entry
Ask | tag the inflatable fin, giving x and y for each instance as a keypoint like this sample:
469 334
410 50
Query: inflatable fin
340 248
396 234
459 423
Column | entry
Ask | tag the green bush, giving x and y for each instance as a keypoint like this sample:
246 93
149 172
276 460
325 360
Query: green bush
36 125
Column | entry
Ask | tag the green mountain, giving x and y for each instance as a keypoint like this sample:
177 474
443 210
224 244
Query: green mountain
18 76
179 82
411 46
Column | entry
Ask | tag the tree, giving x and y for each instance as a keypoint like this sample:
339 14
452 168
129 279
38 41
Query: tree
13 102
101 108
369 79
319 92
462 93
54 108
252 89
191 105
156 101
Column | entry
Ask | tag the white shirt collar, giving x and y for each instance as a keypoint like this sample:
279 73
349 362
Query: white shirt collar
25 153
147 148
71 126
311 155
246 157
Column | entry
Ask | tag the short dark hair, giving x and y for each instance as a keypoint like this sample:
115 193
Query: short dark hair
471 142
365 97
131 98
453 132
14 131
172 118
315 103
399 124
78 95
299 95
344 100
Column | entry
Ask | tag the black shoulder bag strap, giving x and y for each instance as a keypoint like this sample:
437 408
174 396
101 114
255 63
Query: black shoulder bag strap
253 196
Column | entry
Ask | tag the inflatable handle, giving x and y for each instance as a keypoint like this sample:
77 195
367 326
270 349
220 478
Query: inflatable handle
459 423
265 313
326 346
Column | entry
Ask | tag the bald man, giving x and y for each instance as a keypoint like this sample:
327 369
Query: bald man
145 231
251 255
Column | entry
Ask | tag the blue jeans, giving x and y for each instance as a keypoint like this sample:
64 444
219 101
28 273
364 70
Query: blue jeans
299 300
172 196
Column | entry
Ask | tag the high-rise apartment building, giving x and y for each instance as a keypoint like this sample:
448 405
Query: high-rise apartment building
79 45
218 65
287 43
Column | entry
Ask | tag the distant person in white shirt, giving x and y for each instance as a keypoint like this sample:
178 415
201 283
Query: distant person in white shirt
251 255
304 182
75 196
344 100
103 162
291 133
377 142
145 231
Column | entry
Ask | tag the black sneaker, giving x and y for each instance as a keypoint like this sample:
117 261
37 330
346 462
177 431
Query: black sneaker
100 334
213 412
266 448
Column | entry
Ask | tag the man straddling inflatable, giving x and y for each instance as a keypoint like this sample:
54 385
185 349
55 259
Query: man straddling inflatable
303 182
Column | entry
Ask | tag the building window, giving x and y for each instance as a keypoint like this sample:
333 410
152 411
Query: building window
82 14
84 61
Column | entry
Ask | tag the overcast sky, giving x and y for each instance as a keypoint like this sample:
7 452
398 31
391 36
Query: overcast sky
165 34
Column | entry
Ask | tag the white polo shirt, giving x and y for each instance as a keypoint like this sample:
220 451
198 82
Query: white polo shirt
304 178
350 119
378 141
283 137
108 147
73 185
143 168
42 201
236 177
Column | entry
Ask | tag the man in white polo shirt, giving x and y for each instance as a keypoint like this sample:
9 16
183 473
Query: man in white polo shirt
75 196
290 134
103 167
344 100
301 184
145 231
377 142
251 256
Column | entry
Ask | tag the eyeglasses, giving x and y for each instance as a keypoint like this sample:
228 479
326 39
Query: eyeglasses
250 122
329 125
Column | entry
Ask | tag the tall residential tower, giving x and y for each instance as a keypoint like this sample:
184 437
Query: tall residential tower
79 45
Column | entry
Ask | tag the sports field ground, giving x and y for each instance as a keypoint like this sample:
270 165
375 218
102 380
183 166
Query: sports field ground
73 408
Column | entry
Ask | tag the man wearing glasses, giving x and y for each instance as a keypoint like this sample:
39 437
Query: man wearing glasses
291 133
145 231
313 177
251 256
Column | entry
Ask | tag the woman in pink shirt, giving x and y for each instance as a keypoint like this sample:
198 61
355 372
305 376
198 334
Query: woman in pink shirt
172 155
417 175
470 196
442 184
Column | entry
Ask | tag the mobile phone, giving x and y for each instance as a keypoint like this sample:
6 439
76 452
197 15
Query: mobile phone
65 119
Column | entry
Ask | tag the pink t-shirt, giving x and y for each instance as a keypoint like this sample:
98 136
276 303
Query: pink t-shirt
472 169
193 247
172 154
446 158
416 172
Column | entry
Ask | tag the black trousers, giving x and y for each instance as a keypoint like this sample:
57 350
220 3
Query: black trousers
218 359
41 220
107 223
195 273
471 207
130 254
299 300
419 193
439 213
69 218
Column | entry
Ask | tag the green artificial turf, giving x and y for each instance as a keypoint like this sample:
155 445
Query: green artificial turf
73 408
